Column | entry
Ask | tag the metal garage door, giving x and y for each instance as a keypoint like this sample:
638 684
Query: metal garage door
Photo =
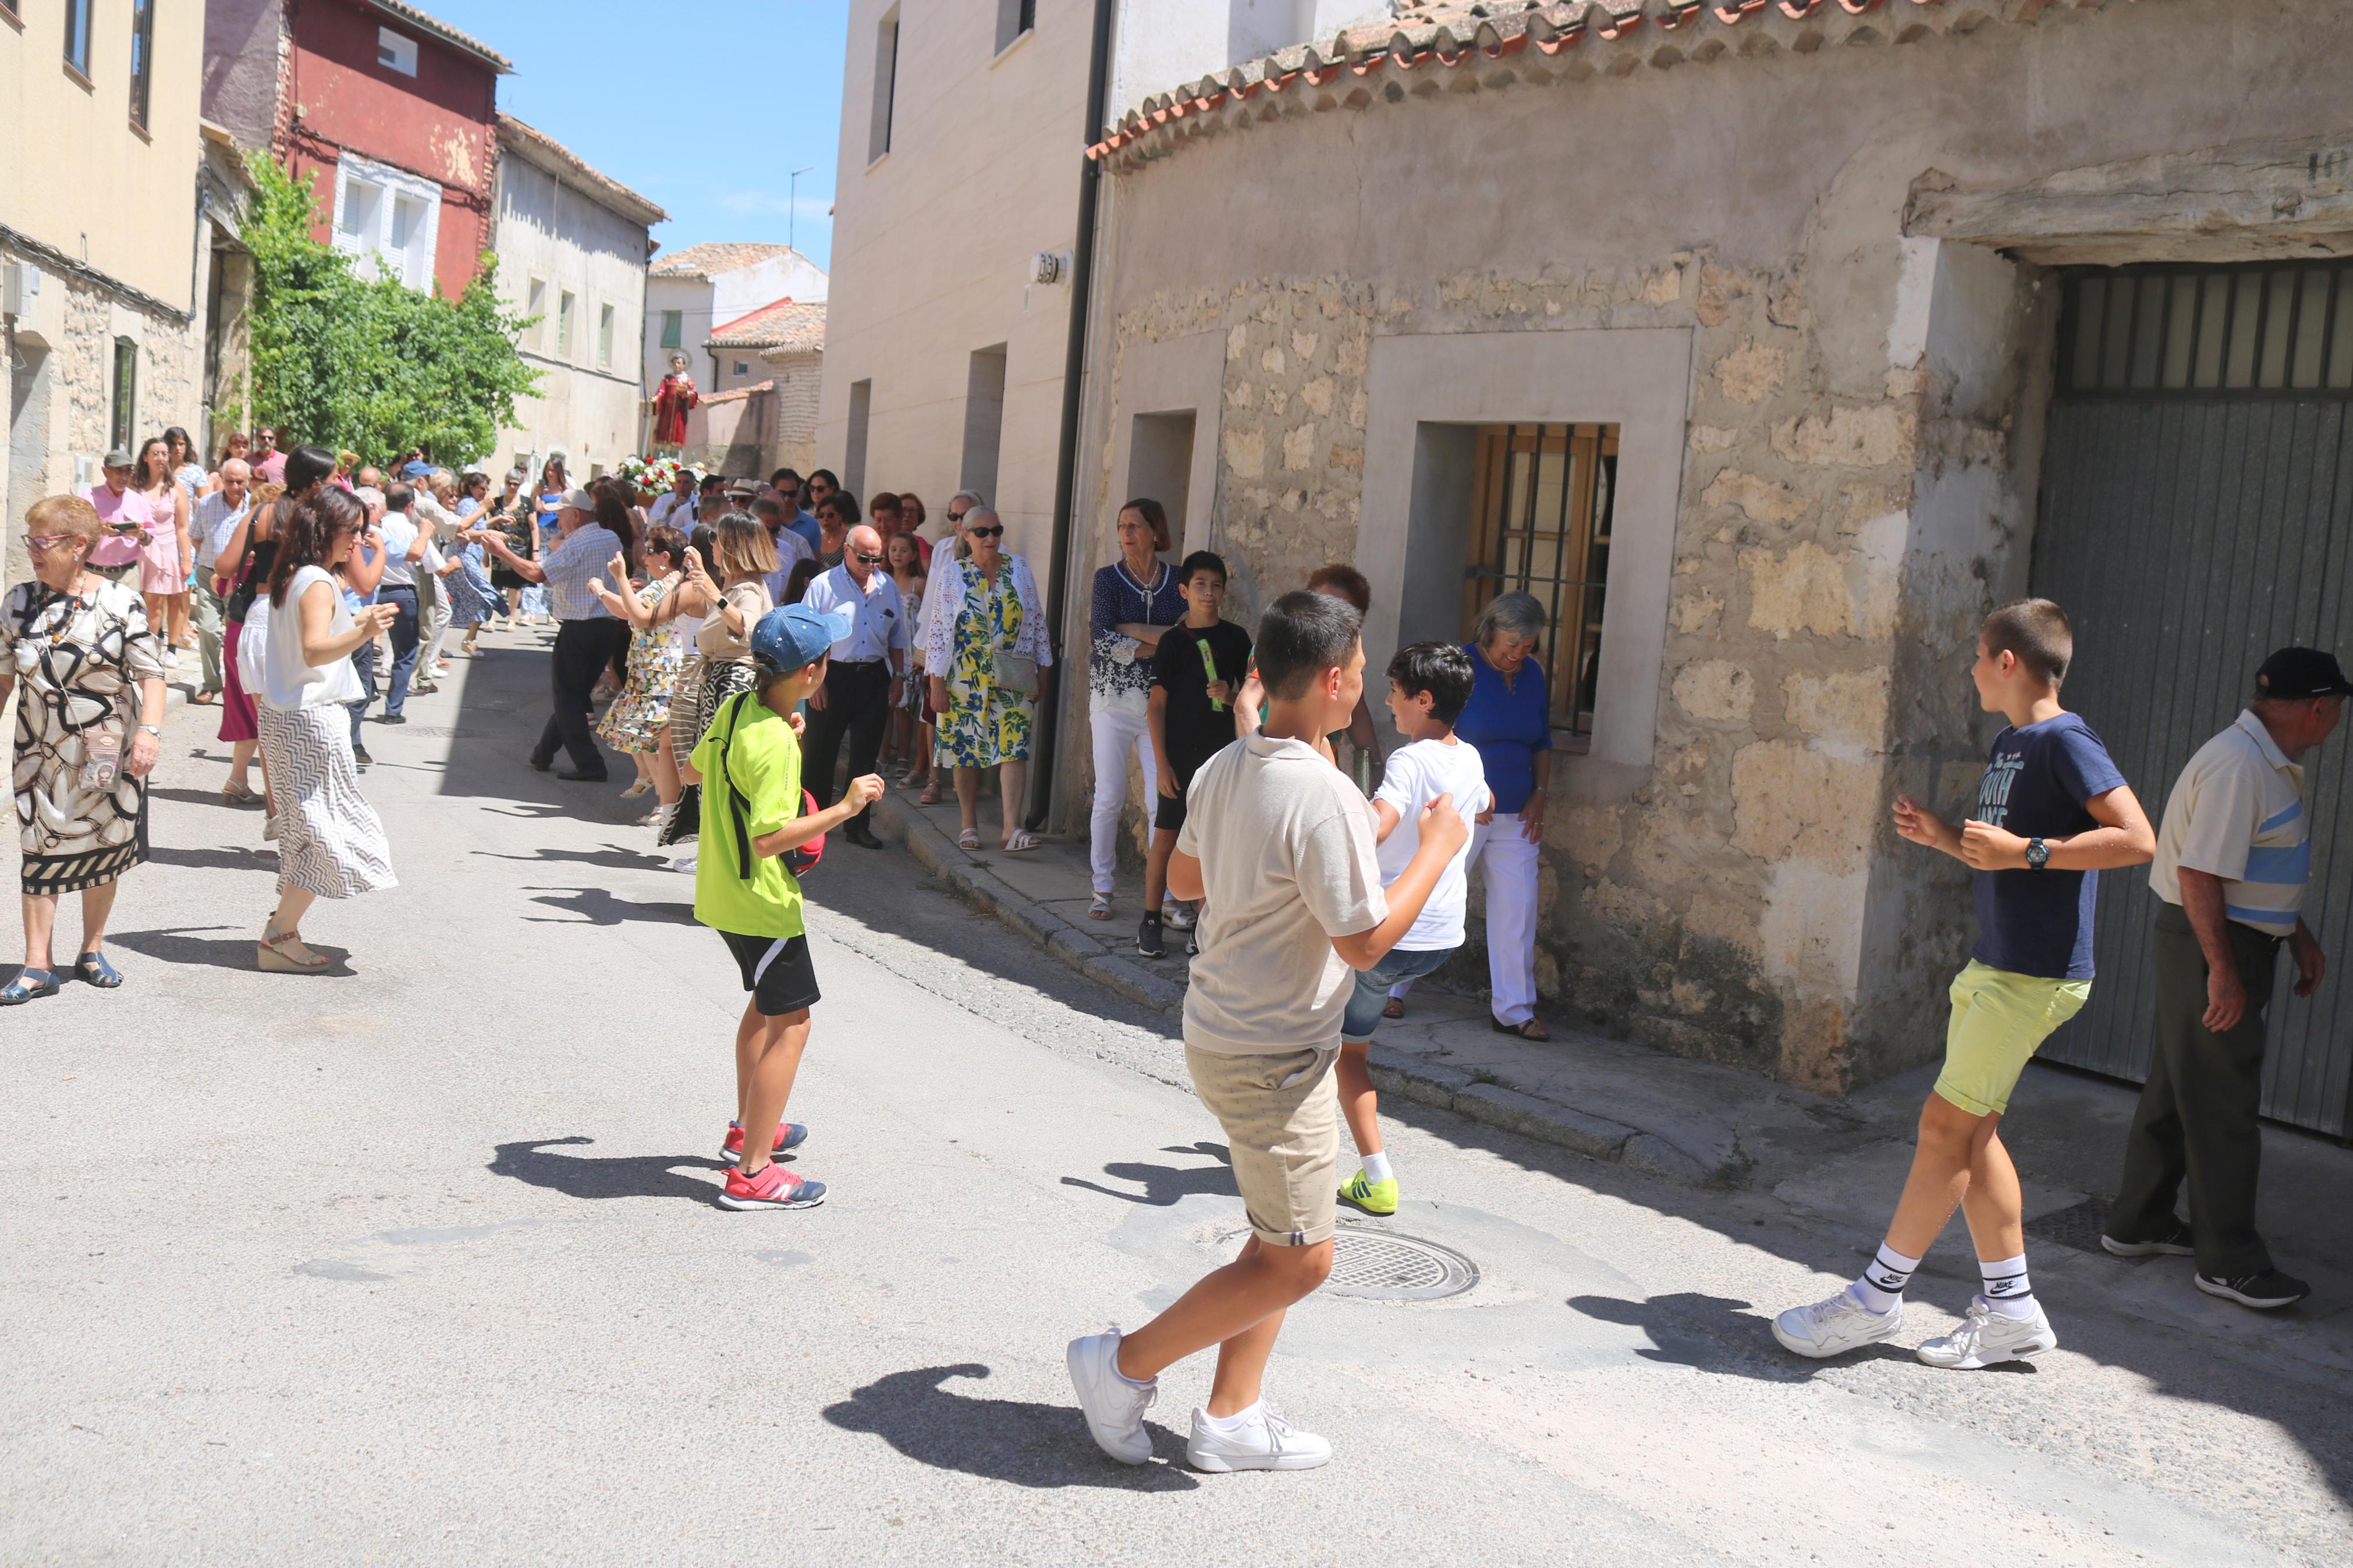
2196 512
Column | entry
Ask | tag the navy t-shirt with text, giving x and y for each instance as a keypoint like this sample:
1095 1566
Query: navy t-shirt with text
2036 782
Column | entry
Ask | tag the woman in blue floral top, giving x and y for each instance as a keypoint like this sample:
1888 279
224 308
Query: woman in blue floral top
1136 599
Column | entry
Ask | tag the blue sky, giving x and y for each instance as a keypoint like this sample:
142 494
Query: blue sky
702 105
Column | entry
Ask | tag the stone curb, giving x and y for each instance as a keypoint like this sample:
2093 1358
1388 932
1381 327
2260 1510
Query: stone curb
1395 1072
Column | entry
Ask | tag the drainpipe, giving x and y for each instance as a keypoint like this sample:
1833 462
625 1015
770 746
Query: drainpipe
1082 272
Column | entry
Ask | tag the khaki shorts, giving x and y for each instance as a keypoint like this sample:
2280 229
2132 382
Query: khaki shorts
1281 1117
1999 1021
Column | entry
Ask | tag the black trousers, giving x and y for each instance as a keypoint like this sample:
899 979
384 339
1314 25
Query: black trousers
858 705
2198 1117
583 649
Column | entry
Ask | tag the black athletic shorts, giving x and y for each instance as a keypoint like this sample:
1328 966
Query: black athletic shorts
1170 816
777 972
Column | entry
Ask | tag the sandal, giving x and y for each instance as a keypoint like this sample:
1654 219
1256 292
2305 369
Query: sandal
968 839
1531 1030
238 794
1100 908
26 988
92 969
1021 843
282 953
1393 1008
931 795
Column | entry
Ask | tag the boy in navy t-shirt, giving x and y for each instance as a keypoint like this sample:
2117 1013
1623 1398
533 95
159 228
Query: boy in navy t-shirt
2052 810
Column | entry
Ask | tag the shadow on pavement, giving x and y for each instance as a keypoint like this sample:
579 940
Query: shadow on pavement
596 907
603 1175
1165 1186
611 857
247 859
1012 1440
181 946
1716 1333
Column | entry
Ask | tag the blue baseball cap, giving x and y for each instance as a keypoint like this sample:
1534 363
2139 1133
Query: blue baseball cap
790 636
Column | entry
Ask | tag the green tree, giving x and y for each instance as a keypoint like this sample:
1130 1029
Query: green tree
376 367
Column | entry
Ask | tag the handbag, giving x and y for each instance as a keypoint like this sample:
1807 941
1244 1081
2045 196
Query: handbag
1015 673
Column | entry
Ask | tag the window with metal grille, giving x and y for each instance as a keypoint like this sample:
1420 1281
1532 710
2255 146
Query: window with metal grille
2264 329
126 392
1540 507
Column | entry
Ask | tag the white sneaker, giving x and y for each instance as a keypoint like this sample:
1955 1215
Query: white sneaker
1986 1337
172 658
1265 1442
1835 1326
685 864
1115 1405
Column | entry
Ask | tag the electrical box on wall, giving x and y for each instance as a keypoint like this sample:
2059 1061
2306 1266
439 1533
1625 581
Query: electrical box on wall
1049 267
34 302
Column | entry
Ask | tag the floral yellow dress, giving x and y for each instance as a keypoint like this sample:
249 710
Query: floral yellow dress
656 655
985 723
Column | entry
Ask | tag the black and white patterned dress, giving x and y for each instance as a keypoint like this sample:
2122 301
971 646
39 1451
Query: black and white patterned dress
78 660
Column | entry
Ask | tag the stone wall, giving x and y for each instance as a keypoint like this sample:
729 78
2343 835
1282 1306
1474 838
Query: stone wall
1857 473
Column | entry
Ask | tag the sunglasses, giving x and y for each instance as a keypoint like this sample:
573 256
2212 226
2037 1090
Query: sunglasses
990 532
46 541
869 559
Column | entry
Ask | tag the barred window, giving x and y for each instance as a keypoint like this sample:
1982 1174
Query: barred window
1540 509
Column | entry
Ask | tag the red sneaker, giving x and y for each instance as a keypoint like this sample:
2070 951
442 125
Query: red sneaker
789 1136
771 1187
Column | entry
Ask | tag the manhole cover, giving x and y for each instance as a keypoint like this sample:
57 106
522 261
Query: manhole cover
2078 1228
1383 1266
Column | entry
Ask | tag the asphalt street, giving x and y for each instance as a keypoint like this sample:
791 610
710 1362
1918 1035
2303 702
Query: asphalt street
417 1262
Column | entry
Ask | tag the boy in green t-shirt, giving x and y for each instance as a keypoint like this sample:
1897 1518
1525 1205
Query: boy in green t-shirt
750 763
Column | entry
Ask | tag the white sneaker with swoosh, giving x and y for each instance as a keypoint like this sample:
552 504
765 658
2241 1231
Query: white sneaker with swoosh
1835 1326
1986 1337
1266 1442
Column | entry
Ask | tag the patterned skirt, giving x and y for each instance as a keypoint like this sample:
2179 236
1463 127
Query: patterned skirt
720 682
330 839
644 705
472 600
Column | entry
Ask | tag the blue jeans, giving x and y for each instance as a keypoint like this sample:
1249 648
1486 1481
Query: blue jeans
1373 985
403 600
363 663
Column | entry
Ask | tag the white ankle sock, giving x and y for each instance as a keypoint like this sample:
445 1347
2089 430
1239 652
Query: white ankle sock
1881 1286
1241 1420
2007 1290
1377 1167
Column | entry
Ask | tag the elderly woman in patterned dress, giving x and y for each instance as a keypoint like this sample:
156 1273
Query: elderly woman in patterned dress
986 645
81 648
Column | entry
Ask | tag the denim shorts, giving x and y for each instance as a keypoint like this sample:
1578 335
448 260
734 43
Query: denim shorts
1373 985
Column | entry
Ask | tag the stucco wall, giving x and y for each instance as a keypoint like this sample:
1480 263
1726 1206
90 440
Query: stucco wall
550 230
1854 481
436 124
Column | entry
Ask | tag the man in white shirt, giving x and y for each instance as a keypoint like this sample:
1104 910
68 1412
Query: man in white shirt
405 549
791 547
217 517
666 509
2233 857
859 598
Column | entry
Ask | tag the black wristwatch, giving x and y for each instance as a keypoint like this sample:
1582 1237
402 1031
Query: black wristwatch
2038 854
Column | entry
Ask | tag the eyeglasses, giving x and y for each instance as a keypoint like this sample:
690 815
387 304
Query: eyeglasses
869 559
990 532
46 541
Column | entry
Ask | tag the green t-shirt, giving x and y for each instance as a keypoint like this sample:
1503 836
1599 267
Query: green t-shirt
750 746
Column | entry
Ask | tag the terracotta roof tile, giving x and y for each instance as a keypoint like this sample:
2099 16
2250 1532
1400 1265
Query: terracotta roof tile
792 325
714 256
537 145
1484 44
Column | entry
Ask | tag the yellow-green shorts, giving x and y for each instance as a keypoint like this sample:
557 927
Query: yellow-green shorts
1999 1021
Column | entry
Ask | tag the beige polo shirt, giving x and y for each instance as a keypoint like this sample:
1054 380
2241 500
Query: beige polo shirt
1287 863
2237 813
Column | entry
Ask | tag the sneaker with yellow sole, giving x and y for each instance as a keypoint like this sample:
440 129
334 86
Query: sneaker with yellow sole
1373 1197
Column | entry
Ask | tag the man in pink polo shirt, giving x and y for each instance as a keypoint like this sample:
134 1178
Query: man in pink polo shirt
269 463
124 514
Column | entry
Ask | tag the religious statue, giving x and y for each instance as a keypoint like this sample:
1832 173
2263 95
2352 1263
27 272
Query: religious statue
672 401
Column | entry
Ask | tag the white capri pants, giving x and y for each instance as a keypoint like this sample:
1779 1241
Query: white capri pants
1118 724
1509 864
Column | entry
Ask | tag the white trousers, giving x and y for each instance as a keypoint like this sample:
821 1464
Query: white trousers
1118 724
1509 864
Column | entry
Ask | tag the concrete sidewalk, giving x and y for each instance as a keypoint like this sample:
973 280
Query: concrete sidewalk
1842 1160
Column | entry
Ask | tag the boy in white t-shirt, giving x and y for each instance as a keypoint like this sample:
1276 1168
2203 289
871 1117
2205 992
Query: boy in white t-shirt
1429 684
1280 845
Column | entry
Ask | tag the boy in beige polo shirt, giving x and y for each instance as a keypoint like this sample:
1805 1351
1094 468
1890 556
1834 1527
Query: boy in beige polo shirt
1280 845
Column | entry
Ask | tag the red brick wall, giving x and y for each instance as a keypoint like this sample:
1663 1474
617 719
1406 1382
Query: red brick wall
436 124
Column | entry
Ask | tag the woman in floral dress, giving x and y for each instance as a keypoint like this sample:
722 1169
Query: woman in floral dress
637 722
92 676
987 634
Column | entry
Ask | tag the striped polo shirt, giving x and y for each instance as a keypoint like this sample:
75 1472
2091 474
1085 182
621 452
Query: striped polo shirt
2237 813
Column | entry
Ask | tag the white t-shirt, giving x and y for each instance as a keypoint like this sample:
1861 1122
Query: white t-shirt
791 551
399 535
1418 774
1286 849
292 683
